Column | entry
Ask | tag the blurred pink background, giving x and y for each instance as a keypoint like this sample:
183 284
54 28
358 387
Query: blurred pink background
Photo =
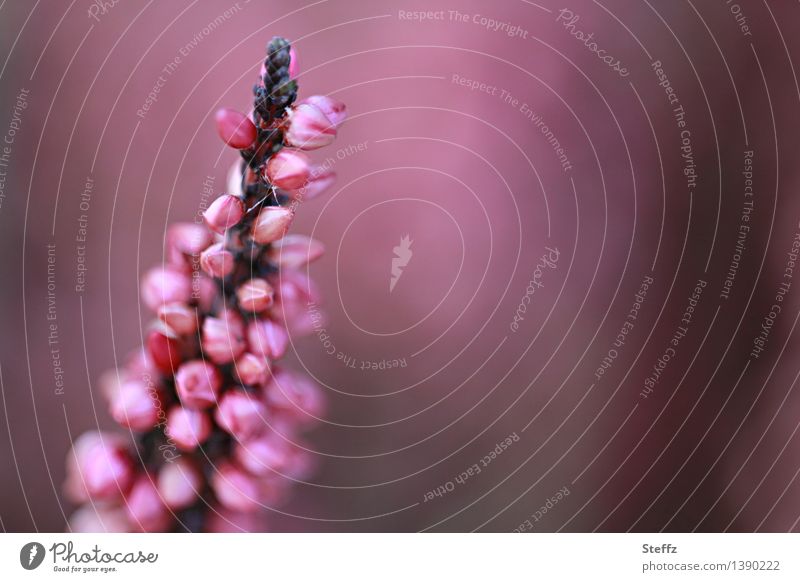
444 144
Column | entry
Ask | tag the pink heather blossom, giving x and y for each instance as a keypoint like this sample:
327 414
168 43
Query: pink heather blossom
288 169
271 224
184 240
188 428
309 128
223 338
180 483
197 383
295 251
136 405
179 317
217 261
320 179
267 338
99 467
235 489
241 414
334 110
164 348
294 395
252 370
294 68
201 390
146 508
163 285
255 295
264 454
99 518
235 128
225 212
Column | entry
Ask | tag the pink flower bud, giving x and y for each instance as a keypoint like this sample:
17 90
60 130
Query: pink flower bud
288 169
267 338
223 338
295 395
334 110
252 370
164 348
99 519
185 239
216 261
319 180
271 224
188 428
205 290
99 467
241 414
180 483
179 317
146 509
309 128
136 405
162 285
225 212
295 251
234 488
255 295
197 383
294 68
235 128
263 455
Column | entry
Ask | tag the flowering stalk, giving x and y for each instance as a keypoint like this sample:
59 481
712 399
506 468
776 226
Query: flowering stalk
216 419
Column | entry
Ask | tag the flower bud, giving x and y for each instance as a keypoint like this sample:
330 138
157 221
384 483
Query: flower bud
235 128
217 261
319 180
295 395
146 509
267 338
223 338
162 285
186 239
136 405
197 383
225 212
234 488
309 128
99 519
295 251
164 348
180 483
294 68
262 455
288 169
99 467
271 224
255 295
252 370
188 428
179 317
334 110
241 414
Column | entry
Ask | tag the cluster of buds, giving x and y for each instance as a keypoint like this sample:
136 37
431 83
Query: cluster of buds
217 421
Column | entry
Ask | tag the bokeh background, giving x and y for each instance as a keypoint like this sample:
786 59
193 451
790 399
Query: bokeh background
487 133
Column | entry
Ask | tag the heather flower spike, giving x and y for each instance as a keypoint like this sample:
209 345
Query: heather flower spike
215 419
